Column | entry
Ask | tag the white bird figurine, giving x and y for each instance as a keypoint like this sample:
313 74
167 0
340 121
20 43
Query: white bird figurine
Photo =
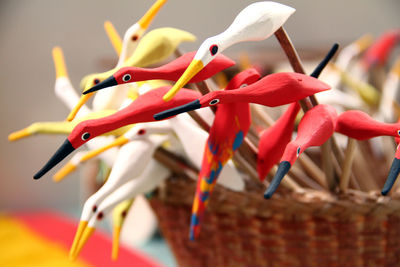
147 181
255 22
129 163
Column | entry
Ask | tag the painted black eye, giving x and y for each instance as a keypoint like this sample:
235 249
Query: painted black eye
298 151
134 38
214 101
213 49
126 77
85 136
141 132
398 132
96 81
100 216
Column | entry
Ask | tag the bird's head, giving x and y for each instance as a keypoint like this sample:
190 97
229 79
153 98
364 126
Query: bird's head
81 134
207 51
122 76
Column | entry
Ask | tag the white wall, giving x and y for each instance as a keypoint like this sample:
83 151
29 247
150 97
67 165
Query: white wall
30 28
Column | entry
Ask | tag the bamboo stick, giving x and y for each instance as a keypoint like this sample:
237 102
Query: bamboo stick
348 161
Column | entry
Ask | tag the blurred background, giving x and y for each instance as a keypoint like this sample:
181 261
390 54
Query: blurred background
29 29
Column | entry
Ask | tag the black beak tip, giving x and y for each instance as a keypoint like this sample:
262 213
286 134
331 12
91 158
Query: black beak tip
65 149
268 194
283 169
177 110
392 176
110 81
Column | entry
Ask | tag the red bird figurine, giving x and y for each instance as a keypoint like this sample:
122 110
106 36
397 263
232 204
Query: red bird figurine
171 71
359 125
230 126
274 140
272 90
378 53
315 128
141 110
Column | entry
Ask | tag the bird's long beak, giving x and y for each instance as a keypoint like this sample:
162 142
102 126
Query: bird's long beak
81 102
391 179
110 81
114 37
283 169
59 62
194 67
19 134
81 227
117 142
177 110
87 233
115 242
65 149
145 21
71 167
317 71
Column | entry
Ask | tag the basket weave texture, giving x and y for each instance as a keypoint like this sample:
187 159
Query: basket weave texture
307 229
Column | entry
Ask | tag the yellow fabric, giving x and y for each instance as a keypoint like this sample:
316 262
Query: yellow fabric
20 246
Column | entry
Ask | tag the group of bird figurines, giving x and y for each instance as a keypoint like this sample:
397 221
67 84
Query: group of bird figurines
136 111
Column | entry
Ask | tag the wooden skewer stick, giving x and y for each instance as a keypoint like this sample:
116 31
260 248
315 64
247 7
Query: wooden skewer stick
295 62
262 115
348 161
313 170
300 176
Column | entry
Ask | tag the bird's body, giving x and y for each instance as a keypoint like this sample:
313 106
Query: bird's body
255 22
231 124
379 51
130 163
274 140
141 110
315 128
272 90
170 71
359 125
128 46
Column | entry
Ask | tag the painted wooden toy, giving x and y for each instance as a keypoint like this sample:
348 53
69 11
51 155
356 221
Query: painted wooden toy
393 173
141 110
155 47
170 71
151 177
130 41
184 127
113 36
63 127
231 124
274 140
315 128
119 214
359 125
129 163
158 45
272 90
380 50
63 87
255 22
135 32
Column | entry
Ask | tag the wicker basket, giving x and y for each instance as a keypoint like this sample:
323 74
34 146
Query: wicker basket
307 229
